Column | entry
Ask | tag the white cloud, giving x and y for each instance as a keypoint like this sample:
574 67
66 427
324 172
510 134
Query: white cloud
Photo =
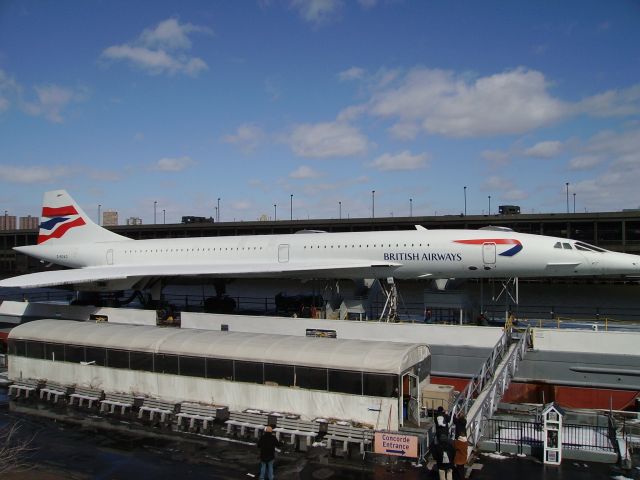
327 139
612 103
584 162
353 73
496 157
161 49
404 131
503 189
173 164
547 149
451 105
248 137
615 182
171 35
51 100
400 161
317 11
304 172
34 174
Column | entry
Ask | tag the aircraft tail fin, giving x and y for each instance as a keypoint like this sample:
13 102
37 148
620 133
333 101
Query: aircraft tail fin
64 222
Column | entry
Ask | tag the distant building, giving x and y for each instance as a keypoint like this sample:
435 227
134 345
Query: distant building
7 222
29 222
109 218
134 221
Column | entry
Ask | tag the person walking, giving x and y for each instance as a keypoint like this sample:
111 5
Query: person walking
461 447
460 422
443 454
442 423
267 445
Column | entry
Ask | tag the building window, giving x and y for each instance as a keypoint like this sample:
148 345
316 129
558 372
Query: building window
345 382
96 355
117 358
311 378
282 375
378 385
220 368
250 372
192 366
141 361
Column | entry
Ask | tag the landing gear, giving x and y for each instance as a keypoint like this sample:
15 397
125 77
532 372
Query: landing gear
511 291
390 310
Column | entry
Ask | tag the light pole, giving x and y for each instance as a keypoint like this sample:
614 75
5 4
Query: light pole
155 204
567 184
291 208
574 202
340 210
465 200
218 211
99 207
275 212
216 214
373 204
489 204
5 221
164 216
411 207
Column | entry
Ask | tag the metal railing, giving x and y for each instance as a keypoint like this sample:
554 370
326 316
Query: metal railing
489 384
531 434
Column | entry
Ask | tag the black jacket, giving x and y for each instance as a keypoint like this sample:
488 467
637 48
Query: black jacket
267 445
438 454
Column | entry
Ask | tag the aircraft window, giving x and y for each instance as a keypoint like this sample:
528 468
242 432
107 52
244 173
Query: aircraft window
566 246
412 244
338 246
558 245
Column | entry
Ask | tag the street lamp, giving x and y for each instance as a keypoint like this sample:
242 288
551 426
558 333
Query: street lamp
155 204
465 200
340 210
164 216
5 221
411 207
489 204
99 222
373 204
275 212
291 208
218 211
567 184
574 202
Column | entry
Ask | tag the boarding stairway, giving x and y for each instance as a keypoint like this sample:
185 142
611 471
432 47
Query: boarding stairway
479 400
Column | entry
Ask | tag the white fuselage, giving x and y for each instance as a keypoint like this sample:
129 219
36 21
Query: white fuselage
413 254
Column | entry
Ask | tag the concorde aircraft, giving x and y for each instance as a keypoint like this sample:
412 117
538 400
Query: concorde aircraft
100 260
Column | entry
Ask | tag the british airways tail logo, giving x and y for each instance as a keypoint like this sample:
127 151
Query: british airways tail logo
517 246
61 220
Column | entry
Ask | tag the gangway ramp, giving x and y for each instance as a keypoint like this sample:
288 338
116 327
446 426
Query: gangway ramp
480 398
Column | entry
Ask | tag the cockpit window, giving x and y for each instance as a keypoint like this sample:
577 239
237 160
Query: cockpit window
566 246
558 245
589 247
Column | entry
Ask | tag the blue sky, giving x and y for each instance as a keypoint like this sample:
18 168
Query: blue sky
126 103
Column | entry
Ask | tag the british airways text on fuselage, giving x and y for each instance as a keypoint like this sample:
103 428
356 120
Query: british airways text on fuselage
424 257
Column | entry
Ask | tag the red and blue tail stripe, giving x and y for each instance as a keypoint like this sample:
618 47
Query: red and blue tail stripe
498 241
60 221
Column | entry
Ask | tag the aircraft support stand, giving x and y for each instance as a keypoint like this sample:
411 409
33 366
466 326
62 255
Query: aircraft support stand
390 310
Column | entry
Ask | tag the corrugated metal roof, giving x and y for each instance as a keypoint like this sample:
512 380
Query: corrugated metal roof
360 355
